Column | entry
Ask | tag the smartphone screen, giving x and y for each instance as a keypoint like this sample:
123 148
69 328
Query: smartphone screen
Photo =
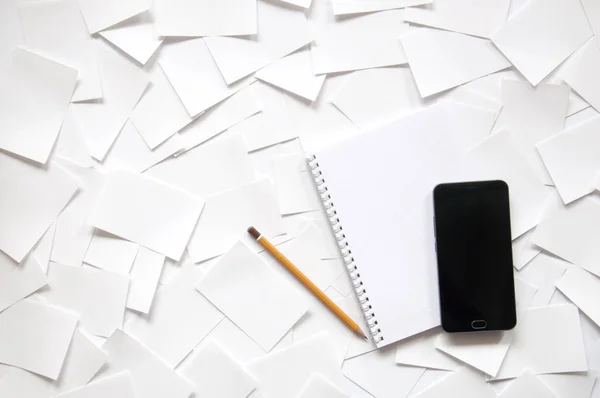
474 256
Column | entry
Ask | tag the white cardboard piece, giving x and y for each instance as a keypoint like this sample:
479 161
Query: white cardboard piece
440 60
253 296
31 127
541 35
36 337
146 211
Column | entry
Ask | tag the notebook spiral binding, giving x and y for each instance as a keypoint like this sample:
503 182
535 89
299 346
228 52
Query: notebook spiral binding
344 246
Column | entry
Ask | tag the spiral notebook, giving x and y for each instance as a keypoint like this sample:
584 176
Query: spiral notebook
376 190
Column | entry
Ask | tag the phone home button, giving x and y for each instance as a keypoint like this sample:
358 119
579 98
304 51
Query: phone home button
479 324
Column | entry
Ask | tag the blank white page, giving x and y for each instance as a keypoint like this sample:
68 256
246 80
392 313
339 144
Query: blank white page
381 184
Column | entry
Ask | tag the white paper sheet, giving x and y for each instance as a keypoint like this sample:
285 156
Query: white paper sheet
342 7
524 250
253 296
546 340
237 343
527 385
117 386
43 249
97 296
569 158
274 124
464 16
101 14
160 113
146 211
373 97
319 387
319 318
36 337
123 84
570 385
420 350
145 274
179 320
294 73
582 73
572 234
281 31
440 60
227 215
130 151
543 272
362 42
592 10
226 114
377 373
489 161
209 169
31 127
136 37
301 251
541 35
70 45
283 373
73 234
465 383
581 288
18 281
151 377
83 360
295 185
70 144
191 70
216 374
111 253
205 17
533 114
32 198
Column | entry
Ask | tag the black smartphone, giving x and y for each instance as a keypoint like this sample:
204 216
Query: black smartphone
474 256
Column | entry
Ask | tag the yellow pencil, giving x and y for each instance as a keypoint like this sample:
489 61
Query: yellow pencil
306 282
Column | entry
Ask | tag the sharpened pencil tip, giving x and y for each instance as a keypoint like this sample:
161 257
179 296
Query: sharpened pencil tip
252 231
366 338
